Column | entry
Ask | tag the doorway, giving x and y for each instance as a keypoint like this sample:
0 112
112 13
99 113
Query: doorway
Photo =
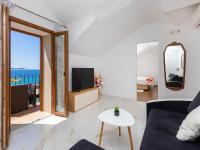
26 75
147 71
51 64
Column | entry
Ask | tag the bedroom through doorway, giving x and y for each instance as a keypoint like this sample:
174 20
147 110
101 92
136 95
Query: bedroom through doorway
147 71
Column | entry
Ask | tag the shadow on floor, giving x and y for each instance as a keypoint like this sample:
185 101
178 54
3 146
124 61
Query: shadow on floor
27 117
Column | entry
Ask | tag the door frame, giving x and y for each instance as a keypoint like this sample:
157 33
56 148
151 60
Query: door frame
5 77
41 55
51 32
146 42
6 74
54 76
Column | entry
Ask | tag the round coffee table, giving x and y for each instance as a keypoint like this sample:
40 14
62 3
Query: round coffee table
125 119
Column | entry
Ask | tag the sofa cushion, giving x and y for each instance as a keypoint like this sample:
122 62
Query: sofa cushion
190 127
195 103
160 132
85 145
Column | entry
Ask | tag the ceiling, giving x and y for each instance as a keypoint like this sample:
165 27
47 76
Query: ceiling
71 10
96 26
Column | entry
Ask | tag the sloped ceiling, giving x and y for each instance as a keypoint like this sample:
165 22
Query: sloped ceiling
36 6
173 5
180 17
108 29
96 26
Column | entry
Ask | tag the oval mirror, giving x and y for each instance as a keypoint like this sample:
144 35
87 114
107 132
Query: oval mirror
174 66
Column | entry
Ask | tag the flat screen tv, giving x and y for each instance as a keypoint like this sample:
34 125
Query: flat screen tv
82 78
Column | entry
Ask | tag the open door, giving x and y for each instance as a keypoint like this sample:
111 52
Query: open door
5 76
60 74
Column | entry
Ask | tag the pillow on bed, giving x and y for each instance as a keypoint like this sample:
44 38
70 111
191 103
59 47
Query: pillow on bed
195 103
190 127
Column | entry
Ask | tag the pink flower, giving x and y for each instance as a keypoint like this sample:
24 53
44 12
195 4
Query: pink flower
98 81
149 80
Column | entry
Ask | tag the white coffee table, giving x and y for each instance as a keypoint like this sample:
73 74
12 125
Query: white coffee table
125 119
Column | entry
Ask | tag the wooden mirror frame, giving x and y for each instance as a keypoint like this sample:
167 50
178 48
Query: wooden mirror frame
175 88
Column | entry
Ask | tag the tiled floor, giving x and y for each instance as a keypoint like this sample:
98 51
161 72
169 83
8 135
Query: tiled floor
56 133
26 117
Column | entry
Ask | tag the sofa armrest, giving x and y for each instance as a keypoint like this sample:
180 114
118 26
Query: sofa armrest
176 105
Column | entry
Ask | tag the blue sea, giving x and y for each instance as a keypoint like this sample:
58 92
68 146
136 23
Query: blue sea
25 76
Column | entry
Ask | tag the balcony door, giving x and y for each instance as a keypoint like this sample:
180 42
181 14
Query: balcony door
5 70
60 74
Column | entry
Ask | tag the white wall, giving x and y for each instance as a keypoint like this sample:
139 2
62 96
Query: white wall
147 60
118 69
187 38
77 61
118 66
47 74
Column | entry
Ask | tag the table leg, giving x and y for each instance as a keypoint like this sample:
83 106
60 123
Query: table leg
101 133
130 138
119 131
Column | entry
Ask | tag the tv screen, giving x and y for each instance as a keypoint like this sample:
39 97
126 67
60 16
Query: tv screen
82 78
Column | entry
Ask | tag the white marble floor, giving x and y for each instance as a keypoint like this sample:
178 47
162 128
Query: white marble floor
56 133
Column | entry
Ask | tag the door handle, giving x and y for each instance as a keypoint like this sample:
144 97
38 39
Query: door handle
3 98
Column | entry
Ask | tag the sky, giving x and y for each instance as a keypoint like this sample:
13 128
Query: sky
25 51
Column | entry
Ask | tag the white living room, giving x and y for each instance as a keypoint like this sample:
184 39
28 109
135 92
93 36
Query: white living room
95 75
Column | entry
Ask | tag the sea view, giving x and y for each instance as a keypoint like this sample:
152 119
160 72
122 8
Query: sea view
25 76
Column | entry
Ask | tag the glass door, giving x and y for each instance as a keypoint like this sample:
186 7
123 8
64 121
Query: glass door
60 85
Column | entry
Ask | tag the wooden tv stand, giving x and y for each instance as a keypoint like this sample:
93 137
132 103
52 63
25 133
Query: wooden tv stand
79 100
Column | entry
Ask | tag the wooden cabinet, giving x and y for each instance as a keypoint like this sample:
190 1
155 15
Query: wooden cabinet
79 100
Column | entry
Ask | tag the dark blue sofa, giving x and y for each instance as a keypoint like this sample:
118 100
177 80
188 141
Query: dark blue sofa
163 121
85 145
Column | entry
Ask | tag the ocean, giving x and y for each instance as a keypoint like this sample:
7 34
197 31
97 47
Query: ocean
25 76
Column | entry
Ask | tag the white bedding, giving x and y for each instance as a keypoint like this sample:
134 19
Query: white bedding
142 80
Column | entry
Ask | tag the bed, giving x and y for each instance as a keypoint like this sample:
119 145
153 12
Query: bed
143 84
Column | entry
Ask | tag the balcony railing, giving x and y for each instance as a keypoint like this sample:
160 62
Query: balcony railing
25 79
